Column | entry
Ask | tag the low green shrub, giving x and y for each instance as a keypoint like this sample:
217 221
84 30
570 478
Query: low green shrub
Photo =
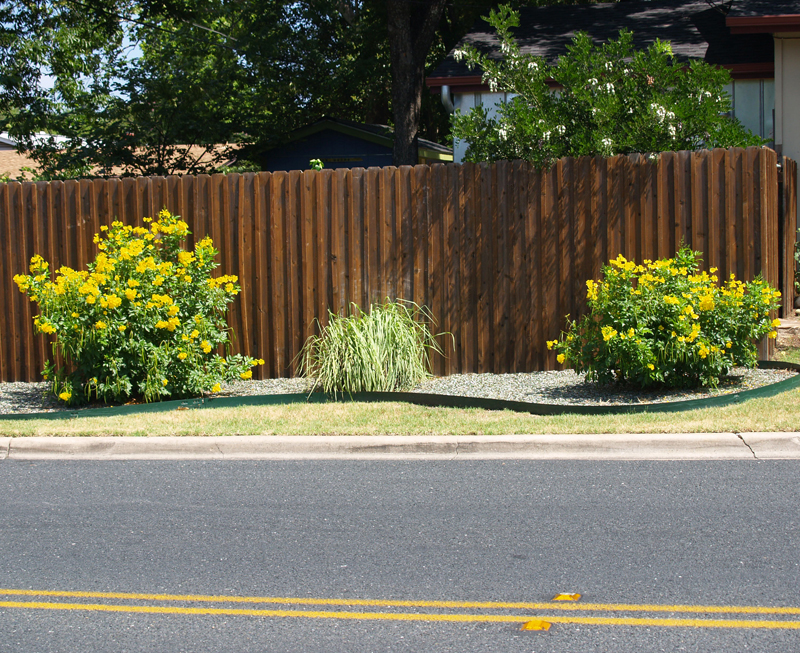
145 320
666 323
387 348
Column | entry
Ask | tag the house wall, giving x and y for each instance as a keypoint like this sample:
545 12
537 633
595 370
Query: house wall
753 102
787 94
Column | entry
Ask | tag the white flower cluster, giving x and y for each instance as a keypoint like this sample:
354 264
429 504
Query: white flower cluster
608 88
502 133
607 143
661 113
458 55
558 129
532 65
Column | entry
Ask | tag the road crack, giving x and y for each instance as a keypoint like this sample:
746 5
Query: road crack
739 435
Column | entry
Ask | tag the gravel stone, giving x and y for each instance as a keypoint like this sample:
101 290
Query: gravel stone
557 387
568 387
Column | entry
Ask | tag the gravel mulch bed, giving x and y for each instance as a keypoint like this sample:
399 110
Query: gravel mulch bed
568 387
558 387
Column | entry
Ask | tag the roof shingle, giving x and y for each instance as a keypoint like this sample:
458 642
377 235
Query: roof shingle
696 31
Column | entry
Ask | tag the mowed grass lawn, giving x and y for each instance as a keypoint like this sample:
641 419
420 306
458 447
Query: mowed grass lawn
778 413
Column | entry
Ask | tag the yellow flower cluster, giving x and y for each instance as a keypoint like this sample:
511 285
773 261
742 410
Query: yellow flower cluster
226 280
592 288
170 325
608 333
131 300
42 325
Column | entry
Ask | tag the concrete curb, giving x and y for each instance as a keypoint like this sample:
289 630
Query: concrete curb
664 446
773 445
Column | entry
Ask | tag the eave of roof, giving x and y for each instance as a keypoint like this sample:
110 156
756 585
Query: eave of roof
763 24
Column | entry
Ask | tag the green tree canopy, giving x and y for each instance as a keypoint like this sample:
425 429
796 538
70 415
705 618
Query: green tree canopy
135 81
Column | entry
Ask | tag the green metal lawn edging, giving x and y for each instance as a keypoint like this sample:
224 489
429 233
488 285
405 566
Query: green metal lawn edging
434 400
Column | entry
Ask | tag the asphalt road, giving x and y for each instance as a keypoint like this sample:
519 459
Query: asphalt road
720 533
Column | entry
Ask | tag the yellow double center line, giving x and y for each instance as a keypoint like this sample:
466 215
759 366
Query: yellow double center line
546 607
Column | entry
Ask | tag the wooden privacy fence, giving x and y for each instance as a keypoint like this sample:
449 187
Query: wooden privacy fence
500 253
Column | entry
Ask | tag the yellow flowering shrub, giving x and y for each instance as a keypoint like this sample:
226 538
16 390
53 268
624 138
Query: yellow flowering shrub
145 320
667 323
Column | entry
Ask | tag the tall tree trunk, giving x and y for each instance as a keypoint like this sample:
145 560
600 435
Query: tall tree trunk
412 26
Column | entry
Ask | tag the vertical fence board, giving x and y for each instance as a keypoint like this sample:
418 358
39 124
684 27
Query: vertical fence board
357 246
469 267
731 190
682 192
322 228
519 300
262 301
484 204
279 274
533 226
563 204
500 278
746 249
630 210
614 203
339 277
549 262
421 294
246 265
788 201
451 264
435 239
7 288
699 228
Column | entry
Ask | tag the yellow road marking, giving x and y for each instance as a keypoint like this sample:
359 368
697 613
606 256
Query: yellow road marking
401 616
571 606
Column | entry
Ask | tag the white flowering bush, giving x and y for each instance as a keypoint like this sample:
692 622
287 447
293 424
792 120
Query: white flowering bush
612 99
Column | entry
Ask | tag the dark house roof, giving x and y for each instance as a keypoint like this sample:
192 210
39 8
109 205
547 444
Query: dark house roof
695 29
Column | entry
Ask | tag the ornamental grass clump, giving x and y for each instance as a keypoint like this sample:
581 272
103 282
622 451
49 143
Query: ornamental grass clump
664 323
387 348
144 321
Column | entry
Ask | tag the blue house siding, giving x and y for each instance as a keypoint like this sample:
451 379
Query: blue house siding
335 149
